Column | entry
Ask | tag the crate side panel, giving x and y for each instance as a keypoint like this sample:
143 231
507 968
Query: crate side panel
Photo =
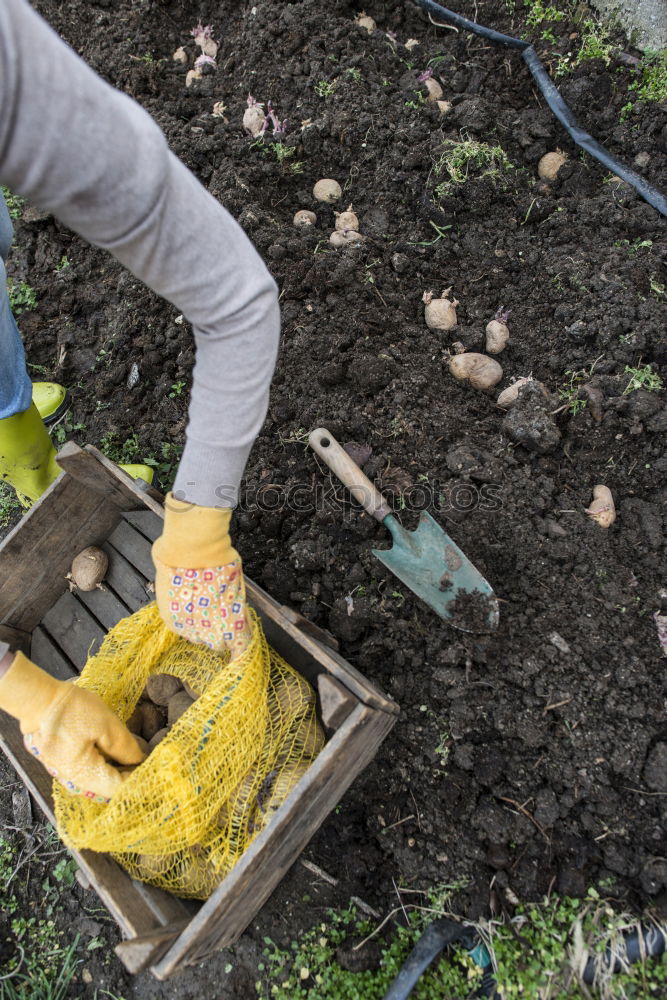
226 914
36 556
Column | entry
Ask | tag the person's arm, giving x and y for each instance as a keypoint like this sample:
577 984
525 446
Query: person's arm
76 147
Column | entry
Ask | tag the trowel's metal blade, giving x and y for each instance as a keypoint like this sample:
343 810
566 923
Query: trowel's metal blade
433 566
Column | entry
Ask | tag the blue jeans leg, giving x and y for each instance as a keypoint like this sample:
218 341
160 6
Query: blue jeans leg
15 387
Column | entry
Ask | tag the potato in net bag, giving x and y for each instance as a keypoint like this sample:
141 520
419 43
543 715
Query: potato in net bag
185 816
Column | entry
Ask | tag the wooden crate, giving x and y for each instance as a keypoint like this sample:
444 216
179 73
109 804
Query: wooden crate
94 503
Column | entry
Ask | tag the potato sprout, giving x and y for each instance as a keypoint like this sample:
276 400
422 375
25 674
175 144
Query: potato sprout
602 510
327 190
550 164
347 220
440 314
497 332
481 372
304 218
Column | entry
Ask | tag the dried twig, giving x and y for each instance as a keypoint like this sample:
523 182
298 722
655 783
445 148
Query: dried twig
320 872
524 812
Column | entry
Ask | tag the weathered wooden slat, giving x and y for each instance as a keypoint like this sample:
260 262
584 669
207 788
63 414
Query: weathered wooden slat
85 467
104 605
146 495
145 521
134 547
336 702
125 581
113 885
226 914
36 556
17 639
140 952
46 654
74 629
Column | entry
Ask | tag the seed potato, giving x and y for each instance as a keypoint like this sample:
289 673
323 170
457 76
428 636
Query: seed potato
179 704
327 190
550 164
304 218
161 687
88 569
481 372
602 510
440 314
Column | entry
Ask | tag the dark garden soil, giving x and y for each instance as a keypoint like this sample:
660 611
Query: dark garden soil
535 757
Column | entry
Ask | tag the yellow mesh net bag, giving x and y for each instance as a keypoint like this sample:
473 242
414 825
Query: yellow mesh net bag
185 816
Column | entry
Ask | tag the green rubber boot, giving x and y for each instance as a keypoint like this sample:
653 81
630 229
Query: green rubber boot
50 399
27 455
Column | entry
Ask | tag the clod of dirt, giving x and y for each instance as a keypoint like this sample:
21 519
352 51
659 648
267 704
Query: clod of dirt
327 190
349 619
304 218
602 510
468 460
359 453
550 164
88 569
529 422
655 768
364 959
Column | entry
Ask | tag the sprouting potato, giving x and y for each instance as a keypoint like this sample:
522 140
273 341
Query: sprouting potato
309 737
440 314
444 107
347 220
345 238
497 332
364 20
481 372
291 695
253 117
435 91
510 395
550 164
88 569
304 218
327 190
180 56
602 509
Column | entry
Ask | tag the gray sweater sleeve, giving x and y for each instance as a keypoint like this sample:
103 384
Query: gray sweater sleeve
78 148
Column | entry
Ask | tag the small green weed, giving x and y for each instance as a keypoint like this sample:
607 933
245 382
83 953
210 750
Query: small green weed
354 72
458 160
21 296
122 452
635 246
324 89
538 13
9 507
177 389
166 464
63 265
653 83
594 44
642 378
569 393
13 202
63 431
658 288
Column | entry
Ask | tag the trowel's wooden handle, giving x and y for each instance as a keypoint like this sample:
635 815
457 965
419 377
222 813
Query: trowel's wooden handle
349 473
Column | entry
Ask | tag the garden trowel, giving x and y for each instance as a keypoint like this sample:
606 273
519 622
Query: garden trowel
426 560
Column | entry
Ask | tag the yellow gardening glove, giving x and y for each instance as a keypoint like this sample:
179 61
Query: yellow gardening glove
199 583
70 730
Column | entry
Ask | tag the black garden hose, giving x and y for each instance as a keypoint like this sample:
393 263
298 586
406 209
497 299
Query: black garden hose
556 103
645 942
